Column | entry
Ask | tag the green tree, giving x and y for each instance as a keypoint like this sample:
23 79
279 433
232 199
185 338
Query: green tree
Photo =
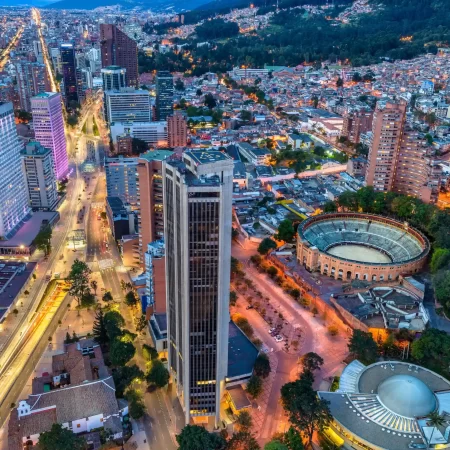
124 377
99 329
107 296
363 347
43 239
436 420
194 437
441 282
235 266
209 101
339 82
131 299
349 201
311 362
254 386
307 413
275 445
285 231
179 85
78 279
150 353
330 207
140 323
245 115
244 421
121 352
138 146
233 298
243 440
440 259
158 375
293 439
266 245
261 367
59 438
432 350
136 406
272 271
94 286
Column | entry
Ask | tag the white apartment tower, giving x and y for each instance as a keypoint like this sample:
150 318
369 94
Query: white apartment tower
127 105
13 197
197 228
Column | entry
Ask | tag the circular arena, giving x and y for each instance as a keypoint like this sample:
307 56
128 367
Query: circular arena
349 246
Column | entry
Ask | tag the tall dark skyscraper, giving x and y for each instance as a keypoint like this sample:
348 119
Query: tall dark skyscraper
69 73
197 233
164 95
119 50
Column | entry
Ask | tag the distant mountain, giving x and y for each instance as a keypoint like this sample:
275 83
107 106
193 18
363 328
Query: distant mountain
155 5
37 3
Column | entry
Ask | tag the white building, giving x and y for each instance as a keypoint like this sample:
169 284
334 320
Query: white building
197 223
127 105
154 133
37 167
13 196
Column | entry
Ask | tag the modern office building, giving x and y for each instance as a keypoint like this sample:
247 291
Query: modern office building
67 52
399 159
39 173
37 49
13 194
114 78
164 95
176 131
32 79
150 198
48 125
127 105
117 49
121 179
153 133
197 229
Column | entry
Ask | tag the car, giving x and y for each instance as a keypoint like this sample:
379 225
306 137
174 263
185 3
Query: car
272 330
278 338
249 307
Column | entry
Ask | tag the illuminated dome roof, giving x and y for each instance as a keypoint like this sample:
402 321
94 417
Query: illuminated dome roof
407 396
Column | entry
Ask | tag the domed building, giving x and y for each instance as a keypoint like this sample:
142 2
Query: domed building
387 405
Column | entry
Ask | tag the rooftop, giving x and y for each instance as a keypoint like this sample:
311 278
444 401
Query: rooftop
207 156
241 352
156 155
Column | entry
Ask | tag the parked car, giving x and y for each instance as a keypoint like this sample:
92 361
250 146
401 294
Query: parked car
278 338
272 330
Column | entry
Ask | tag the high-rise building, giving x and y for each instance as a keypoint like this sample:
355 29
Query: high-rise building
48 125
356 123
153 133
37 48
69 80
121 179
32 79
118 49
197 229
150 198
114 78
13 193
39 173
176 131
399 159
127 105
124 145
164 95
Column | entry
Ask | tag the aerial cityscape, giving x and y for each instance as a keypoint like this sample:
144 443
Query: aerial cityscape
224 225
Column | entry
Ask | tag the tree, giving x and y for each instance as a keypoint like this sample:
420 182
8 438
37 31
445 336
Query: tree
43 239
209 101
441 282
150 353
293 439
199 93
99 329
158 375
78 279
179 85
339 82
140 323
244 421
275 445
261 367
349 201
272 271
266 245
235 266
138 146
436 420
356 78
136 406
121 352
311 362
330 207
124 377
285 231
87 300
254 386
307 413
131 299
194 437
107 296
295 293
94 286
440 259
432 350
363 347
243 440
233 298
59 438
245 115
